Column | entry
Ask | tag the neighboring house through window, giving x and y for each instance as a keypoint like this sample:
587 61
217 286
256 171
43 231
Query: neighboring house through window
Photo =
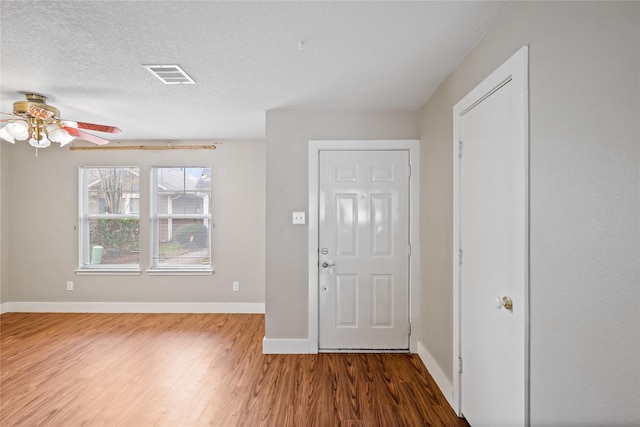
109 217
181 217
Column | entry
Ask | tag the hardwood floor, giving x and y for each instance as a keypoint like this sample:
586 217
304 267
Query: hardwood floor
197 370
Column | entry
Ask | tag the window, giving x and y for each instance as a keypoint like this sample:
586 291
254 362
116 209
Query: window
109 217
181 218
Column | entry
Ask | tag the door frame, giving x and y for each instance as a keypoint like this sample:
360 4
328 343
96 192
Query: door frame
514 70
413 147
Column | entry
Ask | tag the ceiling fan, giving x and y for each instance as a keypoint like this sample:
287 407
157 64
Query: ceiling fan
39 123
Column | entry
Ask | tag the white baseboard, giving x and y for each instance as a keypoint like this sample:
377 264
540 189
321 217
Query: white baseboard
444 384
132 307
285 346
4 307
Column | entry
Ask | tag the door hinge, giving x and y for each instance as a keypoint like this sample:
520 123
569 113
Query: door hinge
460 256
409 170
409 328
459 365
409 249
459 148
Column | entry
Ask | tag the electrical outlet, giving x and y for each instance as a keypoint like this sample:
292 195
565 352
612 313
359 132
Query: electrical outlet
236 286
297 218
69 285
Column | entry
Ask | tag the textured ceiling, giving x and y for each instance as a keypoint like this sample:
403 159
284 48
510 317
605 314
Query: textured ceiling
88 58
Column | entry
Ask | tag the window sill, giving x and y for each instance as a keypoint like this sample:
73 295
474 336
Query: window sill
180 272
109 272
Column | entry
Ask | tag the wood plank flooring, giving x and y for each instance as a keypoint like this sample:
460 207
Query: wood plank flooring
197 370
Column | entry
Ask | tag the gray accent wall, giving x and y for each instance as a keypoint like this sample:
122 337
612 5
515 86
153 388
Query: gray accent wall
40 247
288 134
584 76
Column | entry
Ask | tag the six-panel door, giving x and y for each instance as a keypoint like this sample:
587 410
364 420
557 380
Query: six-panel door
364 250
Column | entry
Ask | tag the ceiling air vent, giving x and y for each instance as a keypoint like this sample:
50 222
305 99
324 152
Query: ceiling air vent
170 74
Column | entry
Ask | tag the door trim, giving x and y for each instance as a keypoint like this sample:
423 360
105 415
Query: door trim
515 69
413 147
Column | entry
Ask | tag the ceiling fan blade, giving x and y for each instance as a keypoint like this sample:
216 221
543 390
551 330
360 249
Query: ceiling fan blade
86 136
12 119
90 126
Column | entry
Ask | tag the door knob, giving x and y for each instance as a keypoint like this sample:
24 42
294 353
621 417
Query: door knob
505 302
325 264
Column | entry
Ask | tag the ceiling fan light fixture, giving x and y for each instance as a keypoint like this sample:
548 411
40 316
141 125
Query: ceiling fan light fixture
5 135
59 135
16 130
43 142
40 124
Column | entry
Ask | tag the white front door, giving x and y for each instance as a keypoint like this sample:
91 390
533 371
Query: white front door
364 250
492 209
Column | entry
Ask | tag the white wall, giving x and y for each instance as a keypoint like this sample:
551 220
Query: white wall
43 240
288 134
584 62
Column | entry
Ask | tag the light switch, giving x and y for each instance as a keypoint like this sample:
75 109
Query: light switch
298 218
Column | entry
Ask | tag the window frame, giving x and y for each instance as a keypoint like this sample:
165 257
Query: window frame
84 234
155 268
